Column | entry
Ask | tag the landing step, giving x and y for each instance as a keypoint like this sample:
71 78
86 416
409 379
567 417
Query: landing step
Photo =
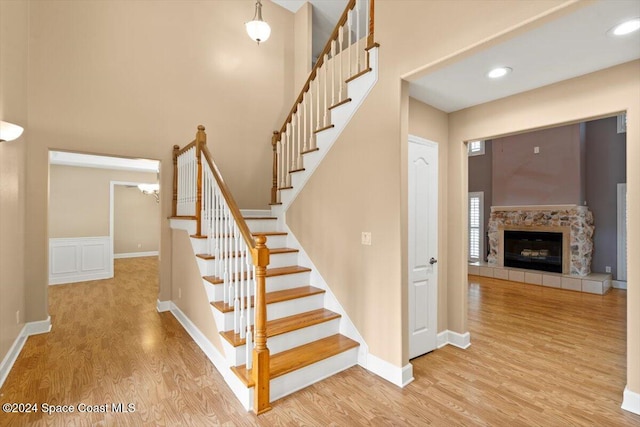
299 357
274 297
272 251
271 272
286 324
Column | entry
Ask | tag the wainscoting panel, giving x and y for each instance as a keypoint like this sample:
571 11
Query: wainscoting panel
79 259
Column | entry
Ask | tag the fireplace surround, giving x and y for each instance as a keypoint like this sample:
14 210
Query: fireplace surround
574 223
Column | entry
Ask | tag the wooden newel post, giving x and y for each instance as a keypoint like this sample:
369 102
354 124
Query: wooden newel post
201 139
260 370
274 187
174 200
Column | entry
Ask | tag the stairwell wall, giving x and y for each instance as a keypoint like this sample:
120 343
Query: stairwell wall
134 78
359 184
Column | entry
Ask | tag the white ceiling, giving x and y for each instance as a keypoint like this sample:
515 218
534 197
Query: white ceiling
568 47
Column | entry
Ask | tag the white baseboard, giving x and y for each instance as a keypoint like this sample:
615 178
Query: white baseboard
455 339
619 284
31 328
631 401
400 376
163 306
135 254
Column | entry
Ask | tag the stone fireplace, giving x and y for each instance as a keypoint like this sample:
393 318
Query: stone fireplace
532 231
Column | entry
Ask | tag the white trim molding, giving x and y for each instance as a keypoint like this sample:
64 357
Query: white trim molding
163 306
135 254
79 259
30 328
619 284
631 401
455 339
400 376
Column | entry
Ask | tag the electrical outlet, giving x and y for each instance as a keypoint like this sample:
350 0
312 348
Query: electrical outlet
139 245
18 317
536 150
179 293
366 238
607 269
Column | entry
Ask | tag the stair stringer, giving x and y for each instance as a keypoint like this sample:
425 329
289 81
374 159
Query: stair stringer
347 328
358 90
220 361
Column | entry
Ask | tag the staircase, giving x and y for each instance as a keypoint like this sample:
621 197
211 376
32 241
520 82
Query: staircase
281 327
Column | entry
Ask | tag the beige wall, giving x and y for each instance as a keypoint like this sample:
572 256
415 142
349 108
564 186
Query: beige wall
133 78
359 185
188 292
595 95
136 221
13 108
79 199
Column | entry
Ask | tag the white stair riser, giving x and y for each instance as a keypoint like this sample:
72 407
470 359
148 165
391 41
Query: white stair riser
278 241
276 283
224 321
256 225
237 355
287 281
301 378
207 266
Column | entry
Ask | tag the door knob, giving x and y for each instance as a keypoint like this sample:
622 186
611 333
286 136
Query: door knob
432 261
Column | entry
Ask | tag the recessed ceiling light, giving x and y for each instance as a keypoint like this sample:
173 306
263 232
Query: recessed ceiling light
626 27
499 72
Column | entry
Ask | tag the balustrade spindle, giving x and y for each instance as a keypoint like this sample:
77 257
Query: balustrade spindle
298 160
288 164
333 72
325 107
358 36
304 124
341 54
317 126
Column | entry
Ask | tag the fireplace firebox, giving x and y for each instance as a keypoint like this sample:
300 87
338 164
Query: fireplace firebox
535 250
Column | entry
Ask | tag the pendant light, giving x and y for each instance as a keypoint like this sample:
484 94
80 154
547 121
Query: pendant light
257 28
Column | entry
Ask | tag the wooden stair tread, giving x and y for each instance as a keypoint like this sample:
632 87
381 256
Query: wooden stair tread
297 170
361 73
344 101
262 218
323 128
272 251
274 297
311 150
183 217
299 357
286 324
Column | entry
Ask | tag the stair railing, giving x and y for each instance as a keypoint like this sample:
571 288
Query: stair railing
240 261
344 58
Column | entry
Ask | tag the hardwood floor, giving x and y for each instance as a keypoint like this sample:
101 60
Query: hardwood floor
539 356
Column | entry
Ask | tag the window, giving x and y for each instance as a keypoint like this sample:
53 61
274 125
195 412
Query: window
475 148
476 232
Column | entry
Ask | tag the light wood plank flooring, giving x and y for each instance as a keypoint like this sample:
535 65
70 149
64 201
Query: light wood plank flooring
539 356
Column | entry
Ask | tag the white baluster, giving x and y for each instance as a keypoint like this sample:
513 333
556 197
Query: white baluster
333 72
349 41
317 126
325 65
358 36
310 115
341 48
304 124
289 155
293 142
299 143
237 307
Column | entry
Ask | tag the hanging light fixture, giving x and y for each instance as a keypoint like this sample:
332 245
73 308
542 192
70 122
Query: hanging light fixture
257 28
151 190
9 131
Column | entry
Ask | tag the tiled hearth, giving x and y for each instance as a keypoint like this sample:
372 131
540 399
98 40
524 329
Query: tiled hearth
594 283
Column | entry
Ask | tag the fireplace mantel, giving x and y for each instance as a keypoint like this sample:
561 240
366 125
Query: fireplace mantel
576 223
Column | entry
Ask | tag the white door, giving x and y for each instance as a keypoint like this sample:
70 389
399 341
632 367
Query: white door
423 246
